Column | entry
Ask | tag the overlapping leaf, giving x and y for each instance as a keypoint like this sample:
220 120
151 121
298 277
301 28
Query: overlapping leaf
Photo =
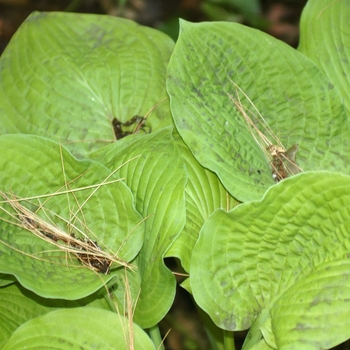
15 309
261 250
157 179
33 166
86 328
325 39
314 313
204 194
18 306
292 94
6 279
66 76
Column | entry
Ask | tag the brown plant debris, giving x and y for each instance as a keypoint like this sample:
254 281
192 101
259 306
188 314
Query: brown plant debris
86 250
282 161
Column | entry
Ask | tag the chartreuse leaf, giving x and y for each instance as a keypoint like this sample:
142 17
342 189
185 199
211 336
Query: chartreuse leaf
326 22
16 308
204 194
6 279
261 325
18 305
80 328
261 253
297 101
314 313
261 346
32 166
67 75
157 179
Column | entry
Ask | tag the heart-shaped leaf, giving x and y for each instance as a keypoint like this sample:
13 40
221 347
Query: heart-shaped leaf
157 179
18 305
314 313
260 250
70 76
80 328
204 194
40 258
326 22
218 74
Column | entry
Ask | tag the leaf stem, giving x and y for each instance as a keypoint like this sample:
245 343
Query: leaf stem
229 340
156 337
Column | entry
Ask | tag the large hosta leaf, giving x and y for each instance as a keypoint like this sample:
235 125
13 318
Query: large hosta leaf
34 166
68 75
16 308
325 39
81 328
204 194
18 305
314 313
157 179
295 98
261 250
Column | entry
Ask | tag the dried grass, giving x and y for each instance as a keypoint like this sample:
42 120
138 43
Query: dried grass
282 161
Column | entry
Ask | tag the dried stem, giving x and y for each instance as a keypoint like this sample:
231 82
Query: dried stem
282 161
74 241
87 251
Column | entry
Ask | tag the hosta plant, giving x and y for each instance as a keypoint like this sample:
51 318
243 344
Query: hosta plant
228 150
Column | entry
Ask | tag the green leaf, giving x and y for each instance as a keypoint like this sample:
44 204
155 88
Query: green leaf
314 313
261 326
292 94
34 166
6 279
18 305
16 308
204 194
325 39
81 328
67 75
260 346
259 250
254 339
157 179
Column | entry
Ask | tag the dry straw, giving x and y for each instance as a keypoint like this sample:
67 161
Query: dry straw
77 240
282 161
77 243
